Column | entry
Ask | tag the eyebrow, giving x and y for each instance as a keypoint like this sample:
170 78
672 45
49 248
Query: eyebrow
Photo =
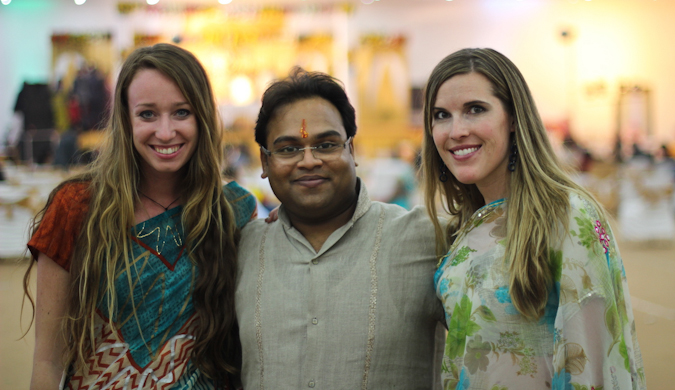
467 104
471 103
179 104
290 138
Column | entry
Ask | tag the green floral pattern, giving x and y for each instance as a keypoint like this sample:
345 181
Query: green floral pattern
462 254
491 346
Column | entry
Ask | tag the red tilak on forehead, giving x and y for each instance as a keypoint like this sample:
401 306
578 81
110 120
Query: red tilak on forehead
303 130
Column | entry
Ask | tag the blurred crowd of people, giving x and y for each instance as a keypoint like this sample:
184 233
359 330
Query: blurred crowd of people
48 119
637 186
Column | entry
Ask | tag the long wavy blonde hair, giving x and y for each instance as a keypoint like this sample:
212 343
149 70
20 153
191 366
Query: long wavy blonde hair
103 244
539 188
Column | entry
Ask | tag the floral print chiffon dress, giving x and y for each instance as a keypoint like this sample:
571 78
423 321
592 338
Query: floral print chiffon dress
586 339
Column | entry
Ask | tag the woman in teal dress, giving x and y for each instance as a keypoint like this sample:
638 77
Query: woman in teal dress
136 256
533 285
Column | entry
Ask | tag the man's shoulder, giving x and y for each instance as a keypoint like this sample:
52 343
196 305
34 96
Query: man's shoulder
394 212
256 227
251 236
414 222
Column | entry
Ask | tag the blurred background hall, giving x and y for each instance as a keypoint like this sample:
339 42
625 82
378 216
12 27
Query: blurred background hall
601 72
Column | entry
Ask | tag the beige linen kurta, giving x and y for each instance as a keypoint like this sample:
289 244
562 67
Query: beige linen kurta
360 314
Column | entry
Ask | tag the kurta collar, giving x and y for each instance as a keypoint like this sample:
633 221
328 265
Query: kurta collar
363 203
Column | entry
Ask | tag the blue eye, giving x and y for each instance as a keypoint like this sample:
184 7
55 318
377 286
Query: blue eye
183 112
476 109
147 114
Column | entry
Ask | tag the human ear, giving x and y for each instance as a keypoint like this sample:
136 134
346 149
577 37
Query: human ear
264 161
351 151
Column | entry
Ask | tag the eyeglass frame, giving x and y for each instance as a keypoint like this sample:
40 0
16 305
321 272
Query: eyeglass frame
301 151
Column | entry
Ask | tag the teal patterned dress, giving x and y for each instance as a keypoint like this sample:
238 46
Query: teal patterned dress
586 339
152 345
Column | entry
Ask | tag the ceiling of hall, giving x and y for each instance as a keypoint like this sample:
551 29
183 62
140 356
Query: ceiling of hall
296 2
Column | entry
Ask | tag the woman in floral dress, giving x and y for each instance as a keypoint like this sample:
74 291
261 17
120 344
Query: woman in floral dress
533 285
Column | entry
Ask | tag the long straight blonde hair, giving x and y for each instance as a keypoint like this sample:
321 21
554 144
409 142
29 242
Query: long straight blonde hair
103 247
539 188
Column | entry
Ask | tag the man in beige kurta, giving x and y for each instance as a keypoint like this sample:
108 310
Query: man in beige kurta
338 292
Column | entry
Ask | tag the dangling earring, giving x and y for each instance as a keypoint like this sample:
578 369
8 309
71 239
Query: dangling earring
513 158
444 174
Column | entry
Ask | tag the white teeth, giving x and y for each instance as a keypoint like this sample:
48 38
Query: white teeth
170 150
463 152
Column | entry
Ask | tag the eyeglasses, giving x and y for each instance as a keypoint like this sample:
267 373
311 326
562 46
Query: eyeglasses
325 151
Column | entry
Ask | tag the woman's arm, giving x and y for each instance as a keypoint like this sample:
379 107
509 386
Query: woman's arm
52 290
595 340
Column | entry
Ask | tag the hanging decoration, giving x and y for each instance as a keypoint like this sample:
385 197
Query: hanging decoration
81 67
384 92
315 52
127 7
